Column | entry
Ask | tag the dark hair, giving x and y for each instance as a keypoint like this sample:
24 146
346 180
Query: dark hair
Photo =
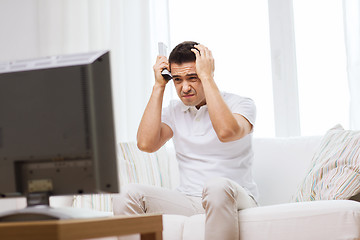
182 53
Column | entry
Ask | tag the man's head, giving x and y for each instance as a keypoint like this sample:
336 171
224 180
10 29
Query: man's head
182 53
183 69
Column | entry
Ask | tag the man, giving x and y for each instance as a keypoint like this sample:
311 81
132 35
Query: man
211 132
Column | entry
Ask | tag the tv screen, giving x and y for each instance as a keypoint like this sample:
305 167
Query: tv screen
57 127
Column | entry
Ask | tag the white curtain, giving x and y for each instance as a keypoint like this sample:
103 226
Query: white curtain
130 29
352 41
284 70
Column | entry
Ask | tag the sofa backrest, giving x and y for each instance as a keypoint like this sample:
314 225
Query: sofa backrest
280 165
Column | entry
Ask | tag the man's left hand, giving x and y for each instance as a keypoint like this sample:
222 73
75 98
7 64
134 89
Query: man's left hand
205 65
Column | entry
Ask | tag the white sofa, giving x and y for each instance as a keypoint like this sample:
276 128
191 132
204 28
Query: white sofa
279 167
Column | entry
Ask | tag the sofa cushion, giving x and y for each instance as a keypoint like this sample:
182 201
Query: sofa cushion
173 226
337 219
335 168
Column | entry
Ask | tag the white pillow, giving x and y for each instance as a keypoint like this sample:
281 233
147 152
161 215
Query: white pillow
335 168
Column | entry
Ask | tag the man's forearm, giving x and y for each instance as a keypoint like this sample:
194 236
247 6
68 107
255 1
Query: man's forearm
149 132
225 124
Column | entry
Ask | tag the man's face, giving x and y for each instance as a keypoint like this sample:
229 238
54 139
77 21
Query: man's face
188 86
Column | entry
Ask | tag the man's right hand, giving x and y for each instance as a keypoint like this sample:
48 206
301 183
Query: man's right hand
161 64
153 133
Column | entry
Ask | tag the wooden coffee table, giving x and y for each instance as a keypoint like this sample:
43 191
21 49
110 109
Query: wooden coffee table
148 226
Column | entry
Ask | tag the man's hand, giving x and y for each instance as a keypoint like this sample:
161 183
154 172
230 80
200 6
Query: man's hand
205 65
161 63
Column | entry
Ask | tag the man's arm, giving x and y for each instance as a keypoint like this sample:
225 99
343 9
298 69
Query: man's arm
227 125
152 133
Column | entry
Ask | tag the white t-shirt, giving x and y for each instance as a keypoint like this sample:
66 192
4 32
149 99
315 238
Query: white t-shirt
200 154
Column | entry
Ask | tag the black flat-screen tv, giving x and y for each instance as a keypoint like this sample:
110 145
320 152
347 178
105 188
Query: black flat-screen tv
57 128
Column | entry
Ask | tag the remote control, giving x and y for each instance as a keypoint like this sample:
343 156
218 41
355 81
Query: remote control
162 52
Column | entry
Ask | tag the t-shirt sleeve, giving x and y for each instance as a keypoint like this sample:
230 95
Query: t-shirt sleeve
243 106
166 117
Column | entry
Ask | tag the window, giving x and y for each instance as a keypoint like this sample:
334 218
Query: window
321 65
237 32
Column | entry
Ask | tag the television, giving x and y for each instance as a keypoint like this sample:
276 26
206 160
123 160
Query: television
56 131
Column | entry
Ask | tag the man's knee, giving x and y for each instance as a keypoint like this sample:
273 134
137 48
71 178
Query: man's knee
129 195
216 185
218 191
